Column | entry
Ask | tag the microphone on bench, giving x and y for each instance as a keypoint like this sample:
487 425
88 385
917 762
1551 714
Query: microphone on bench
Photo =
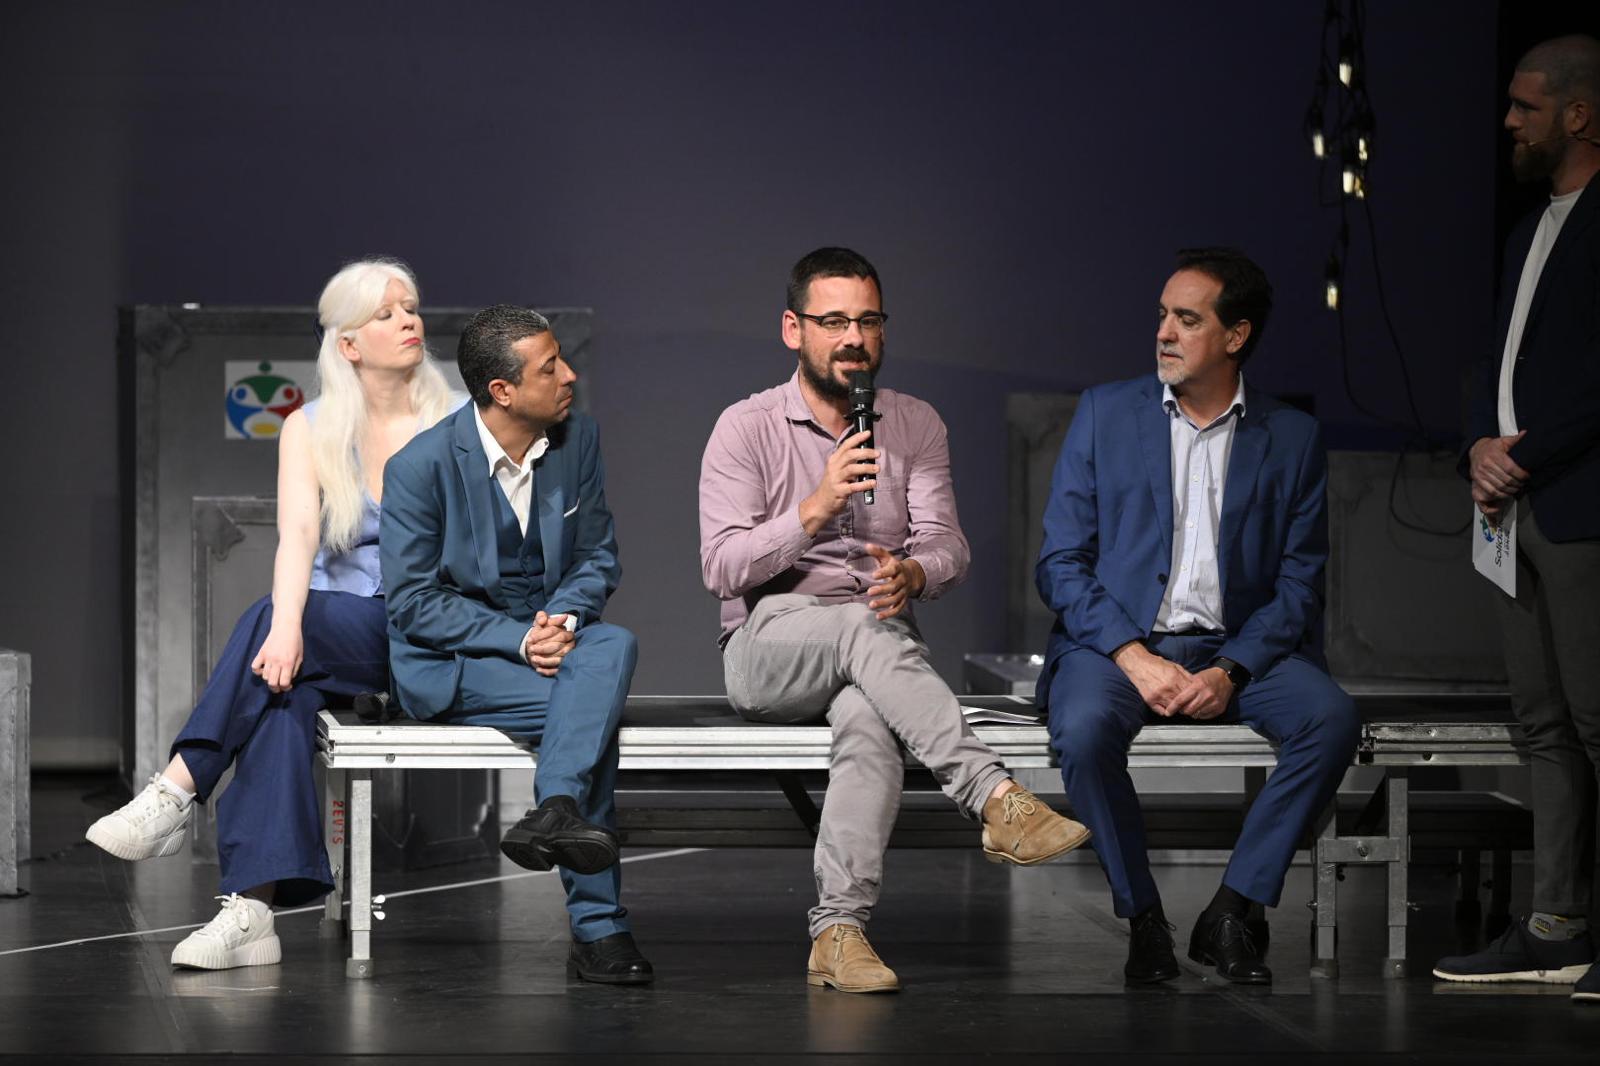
375 708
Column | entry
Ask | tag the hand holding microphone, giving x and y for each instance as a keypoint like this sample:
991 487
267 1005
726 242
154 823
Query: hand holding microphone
849 470
863 395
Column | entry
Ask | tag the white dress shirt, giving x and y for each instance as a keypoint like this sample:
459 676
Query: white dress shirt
516 481
1193 599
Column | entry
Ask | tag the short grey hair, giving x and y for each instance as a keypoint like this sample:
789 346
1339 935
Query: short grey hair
1570 65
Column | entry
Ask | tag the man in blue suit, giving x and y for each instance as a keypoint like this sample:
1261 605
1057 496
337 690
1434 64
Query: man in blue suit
498 555
1184 543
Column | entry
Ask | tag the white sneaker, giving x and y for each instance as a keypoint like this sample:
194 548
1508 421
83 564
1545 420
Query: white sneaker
237 936
153 823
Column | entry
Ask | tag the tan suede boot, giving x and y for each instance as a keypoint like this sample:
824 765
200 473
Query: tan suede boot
841 958
1018 828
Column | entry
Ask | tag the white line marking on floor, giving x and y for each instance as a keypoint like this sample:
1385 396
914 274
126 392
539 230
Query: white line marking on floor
317 907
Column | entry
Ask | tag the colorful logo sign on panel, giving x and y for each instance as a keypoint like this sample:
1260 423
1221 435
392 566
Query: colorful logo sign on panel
261 395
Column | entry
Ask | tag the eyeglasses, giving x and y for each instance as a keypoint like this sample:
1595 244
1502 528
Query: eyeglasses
833 325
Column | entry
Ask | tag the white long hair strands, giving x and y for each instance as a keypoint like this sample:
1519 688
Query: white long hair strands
348 302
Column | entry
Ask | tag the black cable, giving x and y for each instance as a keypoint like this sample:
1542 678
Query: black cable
1353 120
1388 321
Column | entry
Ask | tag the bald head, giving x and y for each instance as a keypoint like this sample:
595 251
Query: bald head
1570 65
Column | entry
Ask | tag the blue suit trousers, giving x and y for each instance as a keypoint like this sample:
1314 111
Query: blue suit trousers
269 823
573 717
1095 712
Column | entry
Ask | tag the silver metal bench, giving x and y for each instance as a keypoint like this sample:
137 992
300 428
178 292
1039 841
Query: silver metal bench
687 733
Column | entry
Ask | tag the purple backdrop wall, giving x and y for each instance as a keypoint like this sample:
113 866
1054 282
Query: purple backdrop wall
1020 173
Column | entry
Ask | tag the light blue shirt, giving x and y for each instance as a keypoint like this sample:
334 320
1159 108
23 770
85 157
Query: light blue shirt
354 571
1193 599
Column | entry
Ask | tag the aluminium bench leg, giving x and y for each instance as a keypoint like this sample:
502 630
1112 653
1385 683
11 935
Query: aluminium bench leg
1325 899
1394 966
335 828
360 835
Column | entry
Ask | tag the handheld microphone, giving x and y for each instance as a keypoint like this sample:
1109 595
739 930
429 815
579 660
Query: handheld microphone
863 394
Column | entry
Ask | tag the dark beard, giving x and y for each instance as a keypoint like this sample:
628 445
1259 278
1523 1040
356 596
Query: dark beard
1537 161
826 384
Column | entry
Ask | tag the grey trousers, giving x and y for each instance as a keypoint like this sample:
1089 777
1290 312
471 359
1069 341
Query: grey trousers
795 660
1552 641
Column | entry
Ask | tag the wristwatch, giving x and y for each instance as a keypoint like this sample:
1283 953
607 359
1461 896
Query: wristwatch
1236 673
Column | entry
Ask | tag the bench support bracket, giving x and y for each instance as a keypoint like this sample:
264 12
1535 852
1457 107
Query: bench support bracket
1391 848
794 790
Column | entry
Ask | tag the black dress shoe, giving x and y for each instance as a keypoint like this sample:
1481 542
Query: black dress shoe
1150 958
1225 942
611 960
554 835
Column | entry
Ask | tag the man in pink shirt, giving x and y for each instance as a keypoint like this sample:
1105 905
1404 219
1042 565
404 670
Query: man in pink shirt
817 588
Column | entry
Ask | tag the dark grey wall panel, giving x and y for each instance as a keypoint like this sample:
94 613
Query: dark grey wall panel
1403 602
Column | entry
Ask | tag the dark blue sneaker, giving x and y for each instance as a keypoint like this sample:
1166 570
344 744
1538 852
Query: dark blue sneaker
1520 956
1588 986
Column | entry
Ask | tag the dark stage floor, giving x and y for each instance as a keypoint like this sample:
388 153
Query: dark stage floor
1024 964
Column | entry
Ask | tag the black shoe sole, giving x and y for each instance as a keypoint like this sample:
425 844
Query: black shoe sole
573 970
1206 960
582 855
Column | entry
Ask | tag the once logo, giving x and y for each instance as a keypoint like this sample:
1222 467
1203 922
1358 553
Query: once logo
1486 529
258 403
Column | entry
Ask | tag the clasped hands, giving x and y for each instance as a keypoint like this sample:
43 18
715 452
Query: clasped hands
1169 689
1496 477
898 580
547 643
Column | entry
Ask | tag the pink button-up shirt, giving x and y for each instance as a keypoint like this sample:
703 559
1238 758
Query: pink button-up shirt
767 454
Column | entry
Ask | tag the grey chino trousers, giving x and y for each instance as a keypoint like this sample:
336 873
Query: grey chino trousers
796 660
1552 642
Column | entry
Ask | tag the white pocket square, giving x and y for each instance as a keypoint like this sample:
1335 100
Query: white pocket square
571 511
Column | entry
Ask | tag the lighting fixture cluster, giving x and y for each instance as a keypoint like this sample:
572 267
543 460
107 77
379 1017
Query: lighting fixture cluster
1339 122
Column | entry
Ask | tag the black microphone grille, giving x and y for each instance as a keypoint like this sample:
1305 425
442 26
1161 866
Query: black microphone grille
862 391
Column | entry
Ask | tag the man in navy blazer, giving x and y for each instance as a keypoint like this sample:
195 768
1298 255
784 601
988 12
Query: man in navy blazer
1533 457
1184 544
498 555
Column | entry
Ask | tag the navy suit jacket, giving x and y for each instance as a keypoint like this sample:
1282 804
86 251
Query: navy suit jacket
1107 549
439 546
1556 383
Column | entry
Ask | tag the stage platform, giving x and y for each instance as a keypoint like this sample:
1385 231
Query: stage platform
1023 965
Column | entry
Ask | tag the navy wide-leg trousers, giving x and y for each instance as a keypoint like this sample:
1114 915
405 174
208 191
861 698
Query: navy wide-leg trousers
269 824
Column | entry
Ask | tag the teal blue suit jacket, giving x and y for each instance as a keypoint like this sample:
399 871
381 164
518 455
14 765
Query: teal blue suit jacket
1103 566
439 549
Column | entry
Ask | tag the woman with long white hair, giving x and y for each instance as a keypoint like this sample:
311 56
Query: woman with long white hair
320 634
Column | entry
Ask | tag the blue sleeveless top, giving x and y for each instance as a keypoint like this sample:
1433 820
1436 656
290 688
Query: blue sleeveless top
355 571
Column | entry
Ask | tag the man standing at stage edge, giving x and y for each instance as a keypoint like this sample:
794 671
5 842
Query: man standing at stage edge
1533 456
1185 538
817 586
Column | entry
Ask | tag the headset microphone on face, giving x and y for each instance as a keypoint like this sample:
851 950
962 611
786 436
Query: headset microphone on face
1562 136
